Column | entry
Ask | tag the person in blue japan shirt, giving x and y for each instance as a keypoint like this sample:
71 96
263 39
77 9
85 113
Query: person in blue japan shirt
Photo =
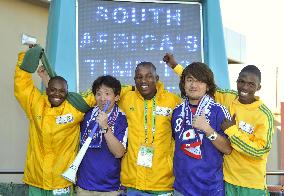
200 142
99 171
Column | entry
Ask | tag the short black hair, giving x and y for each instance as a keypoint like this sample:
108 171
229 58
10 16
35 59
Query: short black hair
252 69
145 63
108 81
59 78
201 72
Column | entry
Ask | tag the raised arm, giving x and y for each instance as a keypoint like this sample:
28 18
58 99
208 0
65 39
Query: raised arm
42 73
24 88
171 62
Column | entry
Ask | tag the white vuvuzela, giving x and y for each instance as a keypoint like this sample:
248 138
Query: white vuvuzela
70 173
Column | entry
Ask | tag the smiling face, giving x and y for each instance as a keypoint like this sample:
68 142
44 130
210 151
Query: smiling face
197 79
145 80
56 92
104 94
194 89
247 84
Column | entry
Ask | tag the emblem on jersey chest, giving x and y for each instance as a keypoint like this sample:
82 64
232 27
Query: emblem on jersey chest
246 127
64 119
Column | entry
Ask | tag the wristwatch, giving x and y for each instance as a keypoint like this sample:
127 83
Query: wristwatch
104 130
212 136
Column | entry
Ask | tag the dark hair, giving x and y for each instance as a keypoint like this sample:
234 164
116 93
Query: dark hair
108 81
202 73
252 69
59 78
144 63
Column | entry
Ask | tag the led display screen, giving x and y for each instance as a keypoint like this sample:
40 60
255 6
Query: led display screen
114 36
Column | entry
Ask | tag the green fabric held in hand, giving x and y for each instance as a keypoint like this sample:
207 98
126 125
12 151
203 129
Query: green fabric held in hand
31 59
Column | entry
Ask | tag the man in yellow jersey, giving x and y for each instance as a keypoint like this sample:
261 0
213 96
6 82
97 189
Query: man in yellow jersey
54 120
147 168
250 133
54 128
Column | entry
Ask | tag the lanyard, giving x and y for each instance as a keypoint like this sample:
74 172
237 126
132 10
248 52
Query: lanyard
146 119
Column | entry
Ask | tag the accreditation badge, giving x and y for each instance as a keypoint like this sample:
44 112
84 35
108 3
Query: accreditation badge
145 156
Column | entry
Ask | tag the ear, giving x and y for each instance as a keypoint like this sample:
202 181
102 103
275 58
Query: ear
259 87
116 98
157 78
47 90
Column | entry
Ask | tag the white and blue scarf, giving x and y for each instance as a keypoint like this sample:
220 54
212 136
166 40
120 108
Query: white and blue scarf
192 137
91 122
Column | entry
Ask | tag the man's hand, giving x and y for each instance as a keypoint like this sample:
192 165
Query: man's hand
102 119
43 75
41 72
200 122
32 45
170 60
228 123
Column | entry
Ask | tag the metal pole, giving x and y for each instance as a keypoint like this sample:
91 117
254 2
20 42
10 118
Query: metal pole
279 172
276 90
282 141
